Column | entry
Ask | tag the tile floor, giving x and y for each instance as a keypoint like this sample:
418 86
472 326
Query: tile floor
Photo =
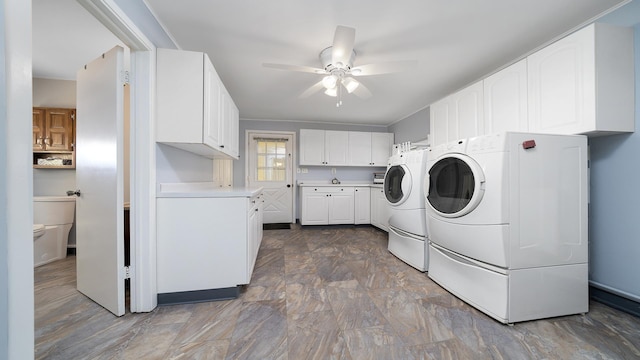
319 293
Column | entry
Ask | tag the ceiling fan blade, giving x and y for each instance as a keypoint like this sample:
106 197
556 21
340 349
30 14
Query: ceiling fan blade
383 68
298 68
312 90
358 88
342 44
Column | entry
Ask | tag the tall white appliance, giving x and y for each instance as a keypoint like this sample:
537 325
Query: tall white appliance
403 183
507 223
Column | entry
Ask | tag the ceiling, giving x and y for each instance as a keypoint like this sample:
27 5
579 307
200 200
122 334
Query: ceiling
453 43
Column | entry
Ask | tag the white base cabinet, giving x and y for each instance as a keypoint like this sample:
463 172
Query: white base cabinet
362 205
207 243
327 205
379 209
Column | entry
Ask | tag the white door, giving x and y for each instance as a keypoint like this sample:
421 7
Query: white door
271 167
99 177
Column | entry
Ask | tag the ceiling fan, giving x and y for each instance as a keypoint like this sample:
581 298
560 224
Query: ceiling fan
338 69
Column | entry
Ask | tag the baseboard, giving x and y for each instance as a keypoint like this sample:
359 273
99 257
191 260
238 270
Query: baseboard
186 297
615 301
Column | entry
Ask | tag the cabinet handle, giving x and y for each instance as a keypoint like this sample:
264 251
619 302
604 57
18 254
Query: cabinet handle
222 146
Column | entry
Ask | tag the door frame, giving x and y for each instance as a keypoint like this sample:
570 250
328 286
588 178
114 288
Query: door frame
143 290
294 162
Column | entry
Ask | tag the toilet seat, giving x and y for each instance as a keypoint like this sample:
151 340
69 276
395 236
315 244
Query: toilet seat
38 230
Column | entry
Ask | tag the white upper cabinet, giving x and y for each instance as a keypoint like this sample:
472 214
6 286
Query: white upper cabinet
440 113
468 104
359 148
457 116
369 149
381 144
505 99
311 147
194 110
583 83
344 148
336 147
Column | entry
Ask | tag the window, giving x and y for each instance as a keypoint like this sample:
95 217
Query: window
271 159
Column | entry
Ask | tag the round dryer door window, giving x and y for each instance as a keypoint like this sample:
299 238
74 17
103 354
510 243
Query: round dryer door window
397 184
455 185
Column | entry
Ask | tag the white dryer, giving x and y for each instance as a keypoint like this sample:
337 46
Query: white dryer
507 223
403 188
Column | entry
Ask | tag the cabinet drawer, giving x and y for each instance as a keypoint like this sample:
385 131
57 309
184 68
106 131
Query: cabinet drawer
330 189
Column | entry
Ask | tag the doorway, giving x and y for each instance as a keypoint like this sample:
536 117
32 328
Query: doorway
270 166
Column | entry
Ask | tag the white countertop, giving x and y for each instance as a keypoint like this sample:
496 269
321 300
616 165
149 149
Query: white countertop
342 183
203 189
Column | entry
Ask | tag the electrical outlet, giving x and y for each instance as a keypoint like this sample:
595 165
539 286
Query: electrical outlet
333 170
305 170
298 170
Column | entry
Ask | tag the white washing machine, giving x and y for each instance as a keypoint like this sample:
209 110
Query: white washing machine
403 188
507 223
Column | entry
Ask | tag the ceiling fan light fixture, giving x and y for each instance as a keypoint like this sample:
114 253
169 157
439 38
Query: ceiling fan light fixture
350 84
330 81
332 92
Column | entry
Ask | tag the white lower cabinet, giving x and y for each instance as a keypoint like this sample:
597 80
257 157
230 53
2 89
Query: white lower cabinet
379 209
327 205
362 203
206 243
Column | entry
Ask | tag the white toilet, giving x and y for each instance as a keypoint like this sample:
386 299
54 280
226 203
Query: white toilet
57 214
38 231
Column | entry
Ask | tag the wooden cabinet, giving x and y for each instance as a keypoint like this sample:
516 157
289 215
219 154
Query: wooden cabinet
194 112
505 99
327 205
362 205
583 83
379 209
53 138
369 149
344 148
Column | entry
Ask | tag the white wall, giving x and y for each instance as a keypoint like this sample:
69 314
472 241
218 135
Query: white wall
343 173
412 128
175 165
16 207
614 229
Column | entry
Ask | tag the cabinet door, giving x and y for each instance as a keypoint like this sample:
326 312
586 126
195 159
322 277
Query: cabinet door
213 106
336 147
468 104
505 99
440 112
38 129
341 208
59 129
359 148
381 144
379 209
180 96
252 243
561 81
311 147
362 205
228 126
315 208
